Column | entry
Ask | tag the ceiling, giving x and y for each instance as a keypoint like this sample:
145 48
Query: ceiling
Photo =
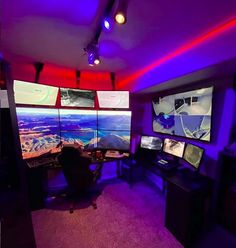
161 41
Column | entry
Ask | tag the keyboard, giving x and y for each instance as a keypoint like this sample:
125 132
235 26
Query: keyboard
43 161
165 165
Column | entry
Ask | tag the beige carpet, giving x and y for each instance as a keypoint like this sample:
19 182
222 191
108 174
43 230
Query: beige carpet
125 218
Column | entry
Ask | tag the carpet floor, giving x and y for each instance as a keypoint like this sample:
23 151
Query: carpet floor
125 218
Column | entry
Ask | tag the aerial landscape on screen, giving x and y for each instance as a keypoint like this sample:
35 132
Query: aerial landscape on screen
36 144
42 129
31 120
72 120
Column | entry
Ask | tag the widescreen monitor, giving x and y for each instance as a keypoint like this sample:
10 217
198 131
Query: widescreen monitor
193 155
77 98
114 120
113 99
36 144
186 114
35 120
174 147
75 119
113 139
152 143
35 94
84 138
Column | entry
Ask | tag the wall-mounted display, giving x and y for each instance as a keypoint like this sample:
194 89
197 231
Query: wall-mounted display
186 114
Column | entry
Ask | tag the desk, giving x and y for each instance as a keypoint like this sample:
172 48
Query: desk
186 199
136 170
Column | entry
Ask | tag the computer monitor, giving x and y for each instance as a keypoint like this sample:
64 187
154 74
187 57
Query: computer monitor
77 98
174 147
193 155
35 94
152 143
113 99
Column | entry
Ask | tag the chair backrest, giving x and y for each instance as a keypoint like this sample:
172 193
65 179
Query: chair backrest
76 169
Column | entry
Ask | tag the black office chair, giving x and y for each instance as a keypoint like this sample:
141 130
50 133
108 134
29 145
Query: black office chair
80 179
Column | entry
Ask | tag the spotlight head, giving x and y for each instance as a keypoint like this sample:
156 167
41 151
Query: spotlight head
93 56
120 18
97 61
107 23
120 14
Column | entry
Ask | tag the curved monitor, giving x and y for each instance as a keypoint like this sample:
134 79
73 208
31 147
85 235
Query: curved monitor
113 99
174 147
152 143
193 155
77 98
35 94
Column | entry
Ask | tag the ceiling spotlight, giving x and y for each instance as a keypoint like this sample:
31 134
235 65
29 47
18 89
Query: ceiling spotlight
93 56
120 14
107 23
97 61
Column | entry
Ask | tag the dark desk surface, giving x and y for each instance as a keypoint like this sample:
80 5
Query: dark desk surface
160 172
190 181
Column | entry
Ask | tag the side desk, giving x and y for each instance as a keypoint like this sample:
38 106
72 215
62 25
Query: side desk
187 198
187 201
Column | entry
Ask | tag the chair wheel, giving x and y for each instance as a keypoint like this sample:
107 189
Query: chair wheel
71 210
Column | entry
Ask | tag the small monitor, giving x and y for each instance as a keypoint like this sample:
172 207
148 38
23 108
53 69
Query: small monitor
113 99
35 94
152 143
174 147
77 98
193 155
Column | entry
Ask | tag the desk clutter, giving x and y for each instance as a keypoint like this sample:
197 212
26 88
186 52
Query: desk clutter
50 159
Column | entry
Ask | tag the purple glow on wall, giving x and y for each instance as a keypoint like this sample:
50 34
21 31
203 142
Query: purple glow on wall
77 12
225 123
224 100
108 48
202 44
